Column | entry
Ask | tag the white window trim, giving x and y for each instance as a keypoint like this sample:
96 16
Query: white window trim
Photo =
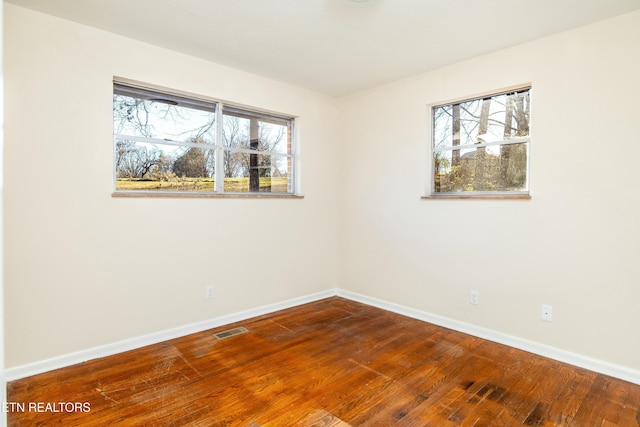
520 140
431 194
219 149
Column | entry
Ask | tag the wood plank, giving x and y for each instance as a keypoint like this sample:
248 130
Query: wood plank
329 363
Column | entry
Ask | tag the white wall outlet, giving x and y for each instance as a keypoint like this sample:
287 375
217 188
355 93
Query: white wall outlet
209 292
474 297
546 314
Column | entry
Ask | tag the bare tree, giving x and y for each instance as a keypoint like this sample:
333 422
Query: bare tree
513 157
233 136
251 133
134 161
480 179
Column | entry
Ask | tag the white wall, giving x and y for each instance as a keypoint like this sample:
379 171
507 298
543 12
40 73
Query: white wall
575 245
3 389
84 269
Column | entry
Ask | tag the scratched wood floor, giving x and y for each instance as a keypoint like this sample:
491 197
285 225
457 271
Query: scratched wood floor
329 363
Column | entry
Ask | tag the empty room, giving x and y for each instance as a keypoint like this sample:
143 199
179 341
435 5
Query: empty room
320 213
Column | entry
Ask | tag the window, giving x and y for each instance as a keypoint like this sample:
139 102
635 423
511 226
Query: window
168 143
481 145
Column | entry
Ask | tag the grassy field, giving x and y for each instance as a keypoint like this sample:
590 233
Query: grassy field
231 185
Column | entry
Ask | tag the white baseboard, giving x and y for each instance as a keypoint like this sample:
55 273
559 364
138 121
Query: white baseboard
28 370
595 365
613 370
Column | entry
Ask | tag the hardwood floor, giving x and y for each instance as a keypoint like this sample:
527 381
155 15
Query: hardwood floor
329 363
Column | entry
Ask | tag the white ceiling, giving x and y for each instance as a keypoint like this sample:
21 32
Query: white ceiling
336 47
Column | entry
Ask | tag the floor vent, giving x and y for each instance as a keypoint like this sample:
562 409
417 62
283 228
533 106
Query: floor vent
230 333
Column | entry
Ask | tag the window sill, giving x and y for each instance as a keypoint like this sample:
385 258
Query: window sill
178 195
478 196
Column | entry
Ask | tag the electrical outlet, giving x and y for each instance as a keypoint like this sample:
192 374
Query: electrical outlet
474 297
209 292
546 313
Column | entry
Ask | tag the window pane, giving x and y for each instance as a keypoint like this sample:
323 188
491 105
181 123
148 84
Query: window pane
470 121
145 166
162 119
495 118
256 173
167 141
443 126
255 132
518 115
495 168
461 161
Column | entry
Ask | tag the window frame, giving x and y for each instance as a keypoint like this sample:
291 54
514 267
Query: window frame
498 194
130 88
